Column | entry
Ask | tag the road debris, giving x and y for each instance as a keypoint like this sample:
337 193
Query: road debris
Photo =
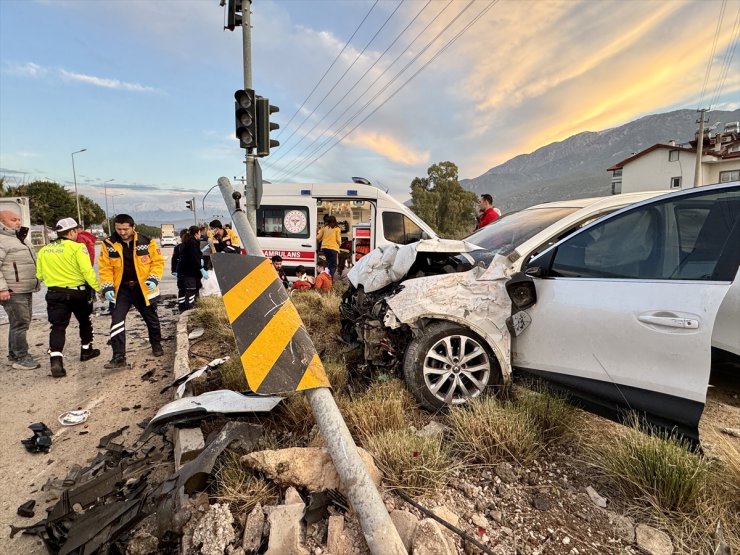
26 509
40 441
73 417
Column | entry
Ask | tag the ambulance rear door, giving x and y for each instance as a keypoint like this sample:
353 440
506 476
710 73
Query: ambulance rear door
286 226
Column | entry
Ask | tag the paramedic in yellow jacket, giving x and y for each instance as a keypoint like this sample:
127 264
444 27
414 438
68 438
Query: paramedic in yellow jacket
223 239
131 268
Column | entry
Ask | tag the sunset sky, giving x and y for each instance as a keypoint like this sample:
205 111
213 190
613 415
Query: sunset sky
147 87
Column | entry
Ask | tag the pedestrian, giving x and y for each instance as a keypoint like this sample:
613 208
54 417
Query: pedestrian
173 265
302 280
64 266
330 238
487 214
323 277
131 268
89 240
277 263
190 269
224 239
17 284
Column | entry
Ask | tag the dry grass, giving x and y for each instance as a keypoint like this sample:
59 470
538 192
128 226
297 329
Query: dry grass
210 314
418 465
487 431
238 486
232 374
320 315
336 371
555 419
383 407
293 419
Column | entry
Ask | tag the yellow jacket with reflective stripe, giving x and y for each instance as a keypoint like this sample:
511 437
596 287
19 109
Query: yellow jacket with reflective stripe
148 262
65 263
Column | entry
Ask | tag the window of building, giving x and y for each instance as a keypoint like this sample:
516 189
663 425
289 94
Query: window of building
730 175
616 187
673 155
675 182
617 173
400 229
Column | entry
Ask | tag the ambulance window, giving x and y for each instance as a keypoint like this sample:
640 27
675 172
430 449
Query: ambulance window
290 222
400 229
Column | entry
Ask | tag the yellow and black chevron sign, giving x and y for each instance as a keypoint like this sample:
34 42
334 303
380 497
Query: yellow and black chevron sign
277 354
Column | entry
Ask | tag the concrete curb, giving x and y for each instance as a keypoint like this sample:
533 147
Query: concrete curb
188 442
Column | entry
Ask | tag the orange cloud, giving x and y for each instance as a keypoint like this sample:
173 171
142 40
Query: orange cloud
388 146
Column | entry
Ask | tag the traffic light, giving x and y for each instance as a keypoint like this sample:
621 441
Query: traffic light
189 205
233 14
245 112
264 126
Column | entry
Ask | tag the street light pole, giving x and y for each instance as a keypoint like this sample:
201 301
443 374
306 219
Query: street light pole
107 216
77 196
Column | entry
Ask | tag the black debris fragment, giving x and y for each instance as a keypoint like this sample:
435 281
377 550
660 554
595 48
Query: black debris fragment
26 509
107 438
148 375
144 423
40 442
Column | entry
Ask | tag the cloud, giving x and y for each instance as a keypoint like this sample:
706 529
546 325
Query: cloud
106 82
388 146
26 69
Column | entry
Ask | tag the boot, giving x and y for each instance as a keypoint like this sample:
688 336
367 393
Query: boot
116 362
57 367
157 350
89 353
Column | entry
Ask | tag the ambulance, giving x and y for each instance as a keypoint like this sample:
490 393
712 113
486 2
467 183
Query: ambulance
290 214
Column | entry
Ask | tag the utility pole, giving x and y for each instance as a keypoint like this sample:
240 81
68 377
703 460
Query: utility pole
251 177
699 147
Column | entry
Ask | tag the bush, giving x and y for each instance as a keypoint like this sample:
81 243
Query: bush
487 431
410 462
237 485
554 418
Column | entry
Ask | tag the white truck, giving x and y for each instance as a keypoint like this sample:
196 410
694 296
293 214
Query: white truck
168 237
290 214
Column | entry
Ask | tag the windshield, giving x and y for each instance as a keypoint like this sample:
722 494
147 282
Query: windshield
510 231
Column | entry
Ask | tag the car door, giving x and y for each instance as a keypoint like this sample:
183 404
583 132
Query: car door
625 307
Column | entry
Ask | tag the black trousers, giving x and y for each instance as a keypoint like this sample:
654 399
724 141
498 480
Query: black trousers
187 291
125 298
61 303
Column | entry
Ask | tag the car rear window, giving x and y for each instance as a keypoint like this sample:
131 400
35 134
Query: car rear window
510 231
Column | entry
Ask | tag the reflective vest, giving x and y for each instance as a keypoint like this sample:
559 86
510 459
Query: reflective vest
148 263
65 263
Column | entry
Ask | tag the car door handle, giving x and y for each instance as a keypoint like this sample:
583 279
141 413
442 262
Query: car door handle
306 245
669 321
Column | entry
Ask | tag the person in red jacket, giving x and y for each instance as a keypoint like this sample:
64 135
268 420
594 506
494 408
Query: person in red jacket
487 214
89 240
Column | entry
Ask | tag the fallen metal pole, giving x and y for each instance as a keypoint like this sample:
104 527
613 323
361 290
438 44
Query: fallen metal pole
380 534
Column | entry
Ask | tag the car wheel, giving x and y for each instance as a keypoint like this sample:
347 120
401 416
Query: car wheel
448 365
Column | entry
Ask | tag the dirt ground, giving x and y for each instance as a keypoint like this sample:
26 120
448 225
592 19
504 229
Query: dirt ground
114 398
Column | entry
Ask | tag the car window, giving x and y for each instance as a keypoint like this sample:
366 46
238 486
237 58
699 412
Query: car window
400 229
510 231
680 238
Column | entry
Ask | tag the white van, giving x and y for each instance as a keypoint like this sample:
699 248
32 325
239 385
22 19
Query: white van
291 213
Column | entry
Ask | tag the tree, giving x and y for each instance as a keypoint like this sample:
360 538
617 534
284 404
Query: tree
441 202
91 212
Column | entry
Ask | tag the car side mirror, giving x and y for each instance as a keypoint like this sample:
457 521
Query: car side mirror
521 291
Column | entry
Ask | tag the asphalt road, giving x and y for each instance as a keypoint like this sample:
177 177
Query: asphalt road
168 286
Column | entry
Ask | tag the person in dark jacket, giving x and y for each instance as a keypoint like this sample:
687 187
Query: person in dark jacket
173 265
190 269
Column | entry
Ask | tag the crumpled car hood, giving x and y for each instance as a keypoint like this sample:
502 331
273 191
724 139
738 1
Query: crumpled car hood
389 263
476 299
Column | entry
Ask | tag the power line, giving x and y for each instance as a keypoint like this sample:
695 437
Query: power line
354 85
729 54
346 44
341 77
449 43
298 160
711 54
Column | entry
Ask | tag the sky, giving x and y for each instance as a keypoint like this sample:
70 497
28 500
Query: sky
147 87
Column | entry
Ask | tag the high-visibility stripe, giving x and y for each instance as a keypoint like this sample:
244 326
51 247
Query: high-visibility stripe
276 351
117 332
55 354
244 293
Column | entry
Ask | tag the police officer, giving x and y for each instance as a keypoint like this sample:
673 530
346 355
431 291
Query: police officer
131 268
64 265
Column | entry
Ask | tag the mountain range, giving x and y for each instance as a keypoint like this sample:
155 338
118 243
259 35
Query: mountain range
576 166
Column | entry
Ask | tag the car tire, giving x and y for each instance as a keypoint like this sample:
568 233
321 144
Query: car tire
438 374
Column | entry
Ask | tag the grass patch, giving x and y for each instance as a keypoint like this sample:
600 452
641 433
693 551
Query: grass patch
210 314
336 371
384 406
554 418
238 486
487 431
418 465
232 373
657 469
292 420
320 314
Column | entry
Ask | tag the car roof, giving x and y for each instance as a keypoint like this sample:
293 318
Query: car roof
612 200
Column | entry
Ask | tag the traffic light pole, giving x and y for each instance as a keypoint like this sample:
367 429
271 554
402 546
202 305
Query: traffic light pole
380 534
250 189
